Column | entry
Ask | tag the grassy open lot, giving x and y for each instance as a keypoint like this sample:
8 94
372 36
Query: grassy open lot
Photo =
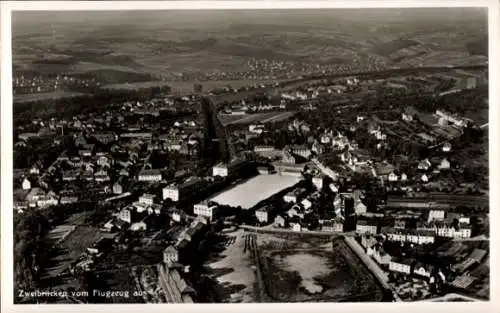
311 270
71 248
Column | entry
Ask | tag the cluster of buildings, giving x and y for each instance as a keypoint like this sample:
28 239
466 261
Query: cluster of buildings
29 84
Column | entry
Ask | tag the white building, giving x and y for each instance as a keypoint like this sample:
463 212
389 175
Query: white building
46 201
147 199
296 227
421 270
424 164
393 177
436 215
360 208
447 147
262 215
138 226
318 182
149 176
460 122
400 266
363 227
125 215
424 178
306 203
177 192
445 164
226 169
203 209
26 184
292 196
264 149
407 117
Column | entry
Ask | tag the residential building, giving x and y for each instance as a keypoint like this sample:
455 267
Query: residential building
294 195
228 169
306 204
70 175
46 201
421 237
68 200
101 176
170 255
149 175
34 195
464 220
296 227
359 208
287 158
117 188
436 215
177 192
380 256
206 210
35 170
262 214
26 184
263 149
424 178
368 241
422 269
400 265
335 225
290 169
318 182
178 216
424 164
279 221
139 226
365 227
457 121
393 177
147 199
399 224
104 161
446 147
405 235
444 165
125 215
407 117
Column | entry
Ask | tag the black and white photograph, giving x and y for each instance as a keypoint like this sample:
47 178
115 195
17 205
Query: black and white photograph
322 155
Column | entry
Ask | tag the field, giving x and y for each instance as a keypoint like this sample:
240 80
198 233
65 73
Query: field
233 268
71 248
186 43
45 96
255 118
310 270
254 190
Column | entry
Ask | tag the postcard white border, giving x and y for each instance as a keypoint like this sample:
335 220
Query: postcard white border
7 144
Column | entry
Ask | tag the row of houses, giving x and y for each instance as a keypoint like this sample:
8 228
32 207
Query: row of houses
401 265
